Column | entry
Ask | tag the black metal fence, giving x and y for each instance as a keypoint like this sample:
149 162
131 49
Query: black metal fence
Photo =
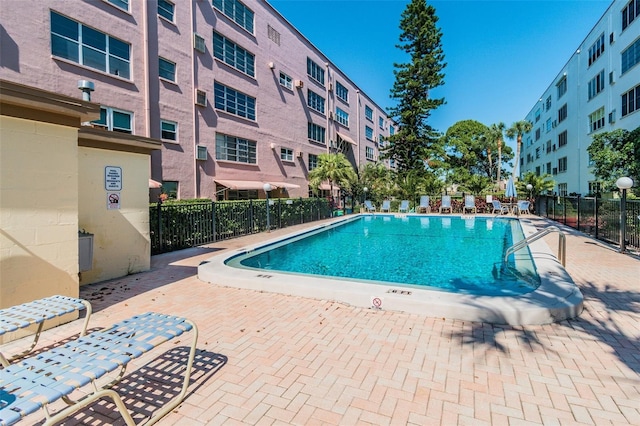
182 225
594 216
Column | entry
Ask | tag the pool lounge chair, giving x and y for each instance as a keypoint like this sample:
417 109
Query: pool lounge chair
424 206
469 204
368 206
498 207
445 204
404 206
386 206
523 207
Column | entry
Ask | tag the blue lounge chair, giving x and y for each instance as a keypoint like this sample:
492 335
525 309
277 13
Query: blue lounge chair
446 204
424 206
523 207
469 204
404 206
386 206
498 207
368 206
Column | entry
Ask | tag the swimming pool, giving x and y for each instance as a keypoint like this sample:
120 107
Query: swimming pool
552 297
463 254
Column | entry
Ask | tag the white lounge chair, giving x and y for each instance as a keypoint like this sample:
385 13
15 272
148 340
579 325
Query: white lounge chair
386 206
445 204
424 206
404 206
368 206
498 207
469 204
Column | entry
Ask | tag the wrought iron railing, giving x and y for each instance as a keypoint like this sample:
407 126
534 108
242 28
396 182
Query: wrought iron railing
176 226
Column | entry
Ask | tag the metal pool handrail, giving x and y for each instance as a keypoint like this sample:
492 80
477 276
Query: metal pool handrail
562 243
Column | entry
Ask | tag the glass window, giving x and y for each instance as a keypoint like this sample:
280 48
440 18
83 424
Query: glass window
233 55
562 113
315 71
236 11
115 120
381 141
630 12
381 122
596 49
313 161
342 92
368 133
596 85
562 87
316 133
165 9
630 56
169 130
368 113
369 153
315 101
286 154
596 120
342 117
167 69
89 47
392 130
286 81
122 4
231 148
631 101
234 102
562 139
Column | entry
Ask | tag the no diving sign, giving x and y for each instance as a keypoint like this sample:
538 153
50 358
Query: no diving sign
376 302
113 200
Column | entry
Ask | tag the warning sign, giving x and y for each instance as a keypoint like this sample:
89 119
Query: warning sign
376 302
113 178
113 200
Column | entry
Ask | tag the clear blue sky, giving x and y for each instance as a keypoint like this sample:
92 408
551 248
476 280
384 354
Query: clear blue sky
501 55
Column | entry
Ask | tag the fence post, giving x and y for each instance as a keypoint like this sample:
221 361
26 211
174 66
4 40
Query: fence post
160 239
595 214
251 227
279 213
213 220
578 219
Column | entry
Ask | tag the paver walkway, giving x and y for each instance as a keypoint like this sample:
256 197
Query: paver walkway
273 359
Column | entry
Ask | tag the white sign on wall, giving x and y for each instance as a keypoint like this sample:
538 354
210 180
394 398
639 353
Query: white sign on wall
113 178
113 200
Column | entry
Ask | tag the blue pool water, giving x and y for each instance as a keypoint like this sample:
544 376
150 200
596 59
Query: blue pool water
461 254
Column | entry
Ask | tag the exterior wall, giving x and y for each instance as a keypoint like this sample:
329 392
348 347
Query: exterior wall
578 73
282 114
38 210
121 244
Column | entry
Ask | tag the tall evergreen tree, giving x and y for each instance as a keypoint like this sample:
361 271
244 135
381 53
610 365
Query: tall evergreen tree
416 141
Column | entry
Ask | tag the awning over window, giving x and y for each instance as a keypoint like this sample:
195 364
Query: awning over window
346 139
253 184
154 184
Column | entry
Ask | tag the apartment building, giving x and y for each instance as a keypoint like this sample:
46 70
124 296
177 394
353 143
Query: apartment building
237 96
597 90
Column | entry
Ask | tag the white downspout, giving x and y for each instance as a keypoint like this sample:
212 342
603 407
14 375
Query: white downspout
196 187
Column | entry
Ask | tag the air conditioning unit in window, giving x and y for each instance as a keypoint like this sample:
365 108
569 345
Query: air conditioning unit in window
612 77
199 43
201 153
299 154
330 115
299 84
330 87
201 98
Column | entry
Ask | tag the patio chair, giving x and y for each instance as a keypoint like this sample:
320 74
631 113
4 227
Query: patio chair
368 206
445 204
498 207
424 206
404 206
469 204
386 206
523 207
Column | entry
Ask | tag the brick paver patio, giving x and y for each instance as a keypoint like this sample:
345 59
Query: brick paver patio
273 359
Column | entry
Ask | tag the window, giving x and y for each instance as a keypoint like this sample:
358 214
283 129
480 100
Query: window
596 49
630 12
236 11
381 141
122 4
562 113
316 133
368 113
169 130
315 71
234 102
369 153
548 169
595 187
562 139
630 56
548 103
596 120
596 85
313 161
381 122
342 117
537 134
537 153
165 9
242 194
167 69
537 115
549 125
273 35
548 146
368 133
342 92
231 148
315 101
89 47
115 120
631 101
286 154
170 188
562 189
562 87
562 165
392 163
392 130
233 55
286 81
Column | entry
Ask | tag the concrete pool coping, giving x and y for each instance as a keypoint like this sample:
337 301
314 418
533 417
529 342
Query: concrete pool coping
556 299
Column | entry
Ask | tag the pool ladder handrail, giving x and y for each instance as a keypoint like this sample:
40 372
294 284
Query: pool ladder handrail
562 243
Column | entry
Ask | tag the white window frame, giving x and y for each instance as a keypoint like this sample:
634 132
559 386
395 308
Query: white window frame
342 117
342 92
285 80
368 112
173 132
109 120
172 69
368 133
286 154
120 4
171 11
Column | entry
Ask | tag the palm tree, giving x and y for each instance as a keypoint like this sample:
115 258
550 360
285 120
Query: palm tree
334 168
488 141
518 129
496 132
539 184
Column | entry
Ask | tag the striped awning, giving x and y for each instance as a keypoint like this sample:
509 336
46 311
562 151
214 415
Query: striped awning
346 139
